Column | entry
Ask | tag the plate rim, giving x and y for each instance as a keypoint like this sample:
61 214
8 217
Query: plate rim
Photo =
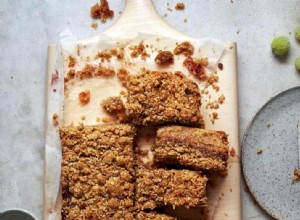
243 142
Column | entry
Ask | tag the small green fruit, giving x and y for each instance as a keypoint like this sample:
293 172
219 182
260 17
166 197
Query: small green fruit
297 64
280 45
297 33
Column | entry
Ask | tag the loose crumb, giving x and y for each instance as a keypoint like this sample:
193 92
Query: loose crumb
94 25
296 176
230 190
232 152
268 124
221 99
84 97
72 61
185 20
169 9
220 65
179 6
185 48
83 117
55 119
259 150
123 93
139 50
164 58
238 31
102 11
98 119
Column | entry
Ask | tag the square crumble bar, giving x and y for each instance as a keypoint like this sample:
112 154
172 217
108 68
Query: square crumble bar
156 98
159 187
193 148
97 172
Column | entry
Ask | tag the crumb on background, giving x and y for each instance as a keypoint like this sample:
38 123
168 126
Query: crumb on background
268 124
94 25
296 176
259 150
179 6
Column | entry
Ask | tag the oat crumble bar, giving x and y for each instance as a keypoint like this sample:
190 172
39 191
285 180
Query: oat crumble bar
193 148
159 98
97 172
160 187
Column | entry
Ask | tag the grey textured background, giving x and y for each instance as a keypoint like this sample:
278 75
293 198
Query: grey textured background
28 26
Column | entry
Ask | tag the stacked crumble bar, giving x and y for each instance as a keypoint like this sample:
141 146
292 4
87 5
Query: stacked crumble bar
101 178
193 148
97 172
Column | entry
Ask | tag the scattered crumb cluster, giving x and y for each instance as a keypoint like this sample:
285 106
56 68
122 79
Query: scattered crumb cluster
102 11
195 66
296 176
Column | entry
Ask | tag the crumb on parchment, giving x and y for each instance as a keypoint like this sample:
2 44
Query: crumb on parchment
113 104
164 58
94 25
84 97
232 152
72 61
268 124
55 119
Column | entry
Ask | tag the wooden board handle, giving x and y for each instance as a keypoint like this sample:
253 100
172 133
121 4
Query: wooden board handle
140 16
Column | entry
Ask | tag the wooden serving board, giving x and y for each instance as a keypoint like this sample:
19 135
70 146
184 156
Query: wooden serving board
140 16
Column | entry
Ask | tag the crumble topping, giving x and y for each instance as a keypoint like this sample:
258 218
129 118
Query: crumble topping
55 119
123 75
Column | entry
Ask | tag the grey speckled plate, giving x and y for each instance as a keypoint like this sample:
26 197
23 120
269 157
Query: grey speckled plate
268 175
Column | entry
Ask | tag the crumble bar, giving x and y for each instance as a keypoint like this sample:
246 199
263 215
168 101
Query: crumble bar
159 187
97 172
194 148
159 98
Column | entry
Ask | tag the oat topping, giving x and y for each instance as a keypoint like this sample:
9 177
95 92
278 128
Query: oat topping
179 6
160 97
97 172
102 11
159 187
164 58
84 97
185 48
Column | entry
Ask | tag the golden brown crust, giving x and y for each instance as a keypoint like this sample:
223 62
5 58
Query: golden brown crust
194 148
159 187
153 216
97 172
159 98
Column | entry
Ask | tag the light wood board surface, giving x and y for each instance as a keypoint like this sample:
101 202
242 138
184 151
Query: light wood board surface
140 16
